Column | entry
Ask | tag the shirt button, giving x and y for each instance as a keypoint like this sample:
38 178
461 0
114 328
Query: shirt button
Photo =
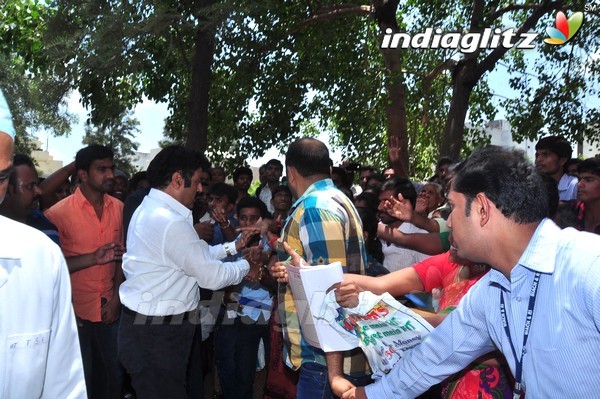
518 299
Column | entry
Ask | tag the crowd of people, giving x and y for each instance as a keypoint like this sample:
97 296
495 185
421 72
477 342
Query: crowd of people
141 287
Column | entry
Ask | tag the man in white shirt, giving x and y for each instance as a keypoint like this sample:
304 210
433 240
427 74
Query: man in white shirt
39 356
551 155
164 265
273 172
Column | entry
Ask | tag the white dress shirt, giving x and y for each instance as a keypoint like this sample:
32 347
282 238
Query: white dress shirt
39 348
166 261
561 359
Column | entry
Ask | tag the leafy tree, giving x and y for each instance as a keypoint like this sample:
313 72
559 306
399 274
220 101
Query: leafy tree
119 137
35 96
241 77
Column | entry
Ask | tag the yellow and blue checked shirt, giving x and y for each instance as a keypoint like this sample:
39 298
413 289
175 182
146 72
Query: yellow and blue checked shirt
323 227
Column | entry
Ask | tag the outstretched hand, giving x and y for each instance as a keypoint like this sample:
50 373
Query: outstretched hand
111 252
394 149
399 208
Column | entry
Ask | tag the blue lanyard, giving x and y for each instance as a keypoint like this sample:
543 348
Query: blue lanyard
519 360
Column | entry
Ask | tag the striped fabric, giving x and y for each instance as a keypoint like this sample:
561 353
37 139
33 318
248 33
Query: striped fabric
564 339
323 227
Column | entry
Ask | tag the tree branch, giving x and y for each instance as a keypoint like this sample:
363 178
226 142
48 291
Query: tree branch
488 63
513 7
331 13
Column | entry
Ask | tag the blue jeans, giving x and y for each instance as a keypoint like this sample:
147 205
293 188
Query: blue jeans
236 350
313 382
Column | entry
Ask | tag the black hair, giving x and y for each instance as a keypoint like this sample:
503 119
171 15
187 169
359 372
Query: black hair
343 175
281 188
571 161
136 179
369 168
253 202
91 153
19 160
443 161
508 179
175 158
308 156
224 189
557 144
275 162
369 224
402 186
370 198
590 165
241 171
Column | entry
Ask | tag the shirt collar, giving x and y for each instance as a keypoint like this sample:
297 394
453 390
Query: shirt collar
81 200
316 186
170 202
539 255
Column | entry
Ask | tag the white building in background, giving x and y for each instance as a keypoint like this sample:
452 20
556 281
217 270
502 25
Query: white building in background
45 163
500 132
141 160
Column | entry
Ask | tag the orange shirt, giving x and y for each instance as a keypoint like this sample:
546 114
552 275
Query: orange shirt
80 233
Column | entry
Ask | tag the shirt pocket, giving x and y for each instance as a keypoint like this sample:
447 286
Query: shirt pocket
25 368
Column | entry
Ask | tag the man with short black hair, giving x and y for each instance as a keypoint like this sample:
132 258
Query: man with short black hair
23 198
165 264
365 172
242 179
90 228
588 193
551 155
221 204
540 303
273 172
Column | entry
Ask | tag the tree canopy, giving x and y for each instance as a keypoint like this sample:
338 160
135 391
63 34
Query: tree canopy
241 77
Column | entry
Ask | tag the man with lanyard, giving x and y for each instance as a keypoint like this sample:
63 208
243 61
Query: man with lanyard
540 304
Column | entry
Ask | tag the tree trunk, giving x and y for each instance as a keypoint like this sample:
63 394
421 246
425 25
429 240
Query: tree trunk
385 13
468 72
462 87
197 137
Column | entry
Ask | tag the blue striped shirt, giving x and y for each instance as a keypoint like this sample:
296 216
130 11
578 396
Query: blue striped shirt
563 349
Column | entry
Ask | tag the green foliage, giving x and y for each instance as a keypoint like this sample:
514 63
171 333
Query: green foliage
559 87
276 75
119 137
36 96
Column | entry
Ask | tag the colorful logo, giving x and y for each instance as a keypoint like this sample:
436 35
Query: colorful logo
565 28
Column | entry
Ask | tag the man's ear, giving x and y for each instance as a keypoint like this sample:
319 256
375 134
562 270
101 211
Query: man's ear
82 175
291 172
177 180
481 207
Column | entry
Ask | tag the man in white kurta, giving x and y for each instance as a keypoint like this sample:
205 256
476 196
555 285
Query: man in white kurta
39 349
